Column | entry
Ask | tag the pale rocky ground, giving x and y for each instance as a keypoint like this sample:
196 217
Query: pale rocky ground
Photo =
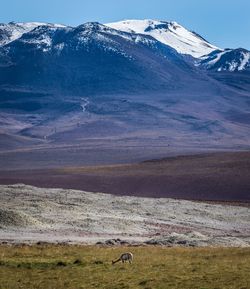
29 215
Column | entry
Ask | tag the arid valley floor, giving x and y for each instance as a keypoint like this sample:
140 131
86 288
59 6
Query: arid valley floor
221 176
186 220
193 200
29 215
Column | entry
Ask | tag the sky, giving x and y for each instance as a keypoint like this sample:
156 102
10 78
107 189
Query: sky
225 23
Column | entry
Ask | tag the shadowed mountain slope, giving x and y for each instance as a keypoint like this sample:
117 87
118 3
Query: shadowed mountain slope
68 85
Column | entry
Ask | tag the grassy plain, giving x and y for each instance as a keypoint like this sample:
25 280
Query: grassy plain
61 267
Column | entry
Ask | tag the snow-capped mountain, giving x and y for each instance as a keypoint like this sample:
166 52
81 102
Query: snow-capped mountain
227 60
91 58
169 33
188 42
12 31
61 84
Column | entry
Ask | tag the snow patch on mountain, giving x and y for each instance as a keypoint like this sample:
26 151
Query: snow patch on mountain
244 61
40 37
227 60
86 33
57 37
169 33
12 31
213 60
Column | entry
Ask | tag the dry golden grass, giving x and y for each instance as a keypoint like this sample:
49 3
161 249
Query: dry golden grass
58 267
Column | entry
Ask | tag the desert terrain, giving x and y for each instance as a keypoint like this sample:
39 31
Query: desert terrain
124 136
221 176
32 215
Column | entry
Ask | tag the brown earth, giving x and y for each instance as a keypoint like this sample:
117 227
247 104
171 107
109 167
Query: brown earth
211 177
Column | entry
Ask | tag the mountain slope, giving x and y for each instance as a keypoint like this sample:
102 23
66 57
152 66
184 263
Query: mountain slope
12 31
110 60
188 42
227 60
169 33
69 85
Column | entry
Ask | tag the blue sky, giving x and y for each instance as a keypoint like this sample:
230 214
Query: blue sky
225 23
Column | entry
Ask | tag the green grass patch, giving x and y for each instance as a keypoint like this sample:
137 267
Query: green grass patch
61 267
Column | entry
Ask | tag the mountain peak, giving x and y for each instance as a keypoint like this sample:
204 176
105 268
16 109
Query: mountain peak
14 30
169 33
91 25
227 60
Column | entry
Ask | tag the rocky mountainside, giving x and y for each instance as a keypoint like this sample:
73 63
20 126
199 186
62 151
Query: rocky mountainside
188 43
138 80
12 31
227 60
111 61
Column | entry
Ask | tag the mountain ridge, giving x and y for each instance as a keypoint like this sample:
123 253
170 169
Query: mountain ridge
65 85
169 33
